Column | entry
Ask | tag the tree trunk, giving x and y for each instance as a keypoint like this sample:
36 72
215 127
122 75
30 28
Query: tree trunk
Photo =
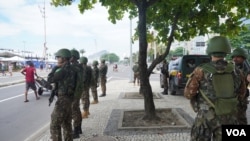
145 88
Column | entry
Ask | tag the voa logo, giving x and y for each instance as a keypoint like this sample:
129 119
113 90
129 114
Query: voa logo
236 132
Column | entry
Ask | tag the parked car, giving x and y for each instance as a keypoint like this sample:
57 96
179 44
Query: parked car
180 70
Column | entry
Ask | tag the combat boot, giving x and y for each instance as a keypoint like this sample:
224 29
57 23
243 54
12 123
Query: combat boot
76 133
94 102
102 95
165 92
79 129
85 114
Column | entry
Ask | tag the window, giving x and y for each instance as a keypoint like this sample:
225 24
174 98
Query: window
200 44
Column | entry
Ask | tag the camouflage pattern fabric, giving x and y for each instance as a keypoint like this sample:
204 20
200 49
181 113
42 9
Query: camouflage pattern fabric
136 74
103 69
95 82
61 116
207 125
76 111
87 72
242 107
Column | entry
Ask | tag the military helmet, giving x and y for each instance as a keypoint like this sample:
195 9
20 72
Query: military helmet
103 61
239 52
95 63
75 53
218 45
63 53
84 60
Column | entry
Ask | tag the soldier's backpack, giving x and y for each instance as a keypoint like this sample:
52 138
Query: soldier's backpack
225 101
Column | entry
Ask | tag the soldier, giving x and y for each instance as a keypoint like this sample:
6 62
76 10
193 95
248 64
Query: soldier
239 55
65 78
103 69
165 73
214 102
95 82
87 73
76 111
136 73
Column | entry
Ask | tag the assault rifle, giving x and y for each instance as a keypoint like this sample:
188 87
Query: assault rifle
53 94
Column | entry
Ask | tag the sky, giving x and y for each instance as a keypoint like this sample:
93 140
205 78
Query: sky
22 28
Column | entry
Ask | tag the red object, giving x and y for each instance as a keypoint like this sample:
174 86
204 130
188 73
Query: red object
29 74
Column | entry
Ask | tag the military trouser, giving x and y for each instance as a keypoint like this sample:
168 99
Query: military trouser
207 125
85 98
136 78
61 117
103 84
76 112
242 109
94 92
165 82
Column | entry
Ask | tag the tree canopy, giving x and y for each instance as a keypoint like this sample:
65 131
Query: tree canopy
171 20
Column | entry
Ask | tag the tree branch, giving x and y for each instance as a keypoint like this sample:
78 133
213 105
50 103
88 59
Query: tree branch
151 2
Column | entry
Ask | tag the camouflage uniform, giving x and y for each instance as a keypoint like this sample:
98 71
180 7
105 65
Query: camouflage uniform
242 107
207 124
61 116
164 71
103 70
136 73
87 73
76 111
94 82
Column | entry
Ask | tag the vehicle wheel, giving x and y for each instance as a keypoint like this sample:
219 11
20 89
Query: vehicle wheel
172 88
40 90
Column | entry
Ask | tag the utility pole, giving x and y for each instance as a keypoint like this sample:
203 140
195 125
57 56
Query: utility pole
42 10
131 58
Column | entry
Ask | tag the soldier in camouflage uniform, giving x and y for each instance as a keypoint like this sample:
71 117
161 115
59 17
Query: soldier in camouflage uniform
136 73
165 73
94 82
87 73
203 94
239 55
65 78
76 111
103 69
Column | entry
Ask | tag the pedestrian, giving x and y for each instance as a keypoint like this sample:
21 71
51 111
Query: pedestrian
165 73
30 72
136 71
239 57
65 78
3 69
10 69
214 102
87 73
103 69
94 81
76 111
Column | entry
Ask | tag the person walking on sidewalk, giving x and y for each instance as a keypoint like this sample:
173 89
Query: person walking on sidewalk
136 73
165 73
95 82
103 76
30 72
239 57
76 111
87 74
65 78
214 102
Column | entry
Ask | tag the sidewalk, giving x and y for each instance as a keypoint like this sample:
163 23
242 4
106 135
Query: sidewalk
97 127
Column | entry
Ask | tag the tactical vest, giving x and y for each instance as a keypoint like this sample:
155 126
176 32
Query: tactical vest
223 84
